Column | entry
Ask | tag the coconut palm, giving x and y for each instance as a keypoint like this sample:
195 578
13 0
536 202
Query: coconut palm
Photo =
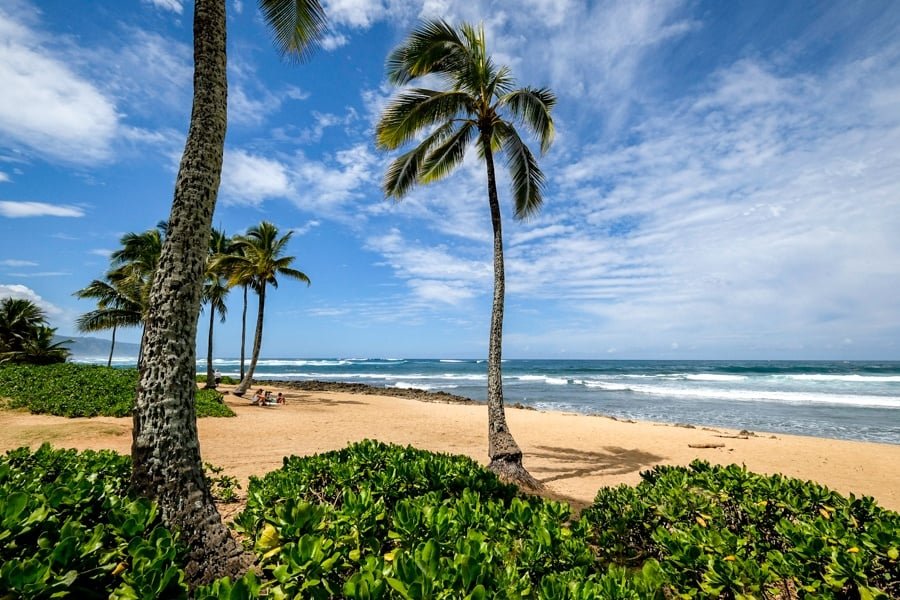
19 319
119 304
245 281
478 104
167 466
261 262
215 291
25 336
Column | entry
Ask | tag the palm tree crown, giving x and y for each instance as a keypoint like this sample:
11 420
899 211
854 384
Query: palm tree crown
261 259
477 97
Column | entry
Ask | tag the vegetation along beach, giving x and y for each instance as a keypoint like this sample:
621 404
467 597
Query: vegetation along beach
449 300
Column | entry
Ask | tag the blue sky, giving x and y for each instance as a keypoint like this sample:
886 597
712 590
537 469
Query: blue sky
725 181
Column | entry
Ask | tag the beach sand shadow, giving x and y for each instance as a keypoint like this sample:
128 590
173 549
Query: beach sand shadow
612 460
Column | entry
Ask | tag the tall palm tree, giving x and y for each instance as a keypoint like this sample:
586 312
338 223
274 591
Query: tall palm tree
478 103
215 291
165 450
119 304
245 281
261 262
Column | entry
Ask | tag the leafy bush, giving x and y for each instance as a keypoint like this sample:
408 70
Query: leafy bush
226 379
383 521
727 532
74 390
68 528
378 521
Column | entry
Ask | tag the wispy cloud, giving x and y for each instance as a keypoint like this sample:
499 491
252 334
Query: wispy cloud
172 5
39 274
46 107
18 210
12 262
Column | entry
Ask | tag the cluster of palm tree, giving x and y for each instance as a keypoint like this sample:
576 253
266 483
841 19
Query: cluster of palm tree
253 260
25 336
478 105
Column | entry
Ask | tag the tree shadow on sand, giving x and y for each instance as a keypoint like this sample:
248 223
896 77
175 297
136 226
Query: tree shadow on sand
612 460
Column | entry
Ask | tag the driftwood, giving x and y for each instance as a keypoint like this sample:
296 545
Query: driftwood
706 445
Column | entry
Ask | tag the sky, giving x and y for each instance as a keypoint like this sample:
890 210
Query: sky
724 182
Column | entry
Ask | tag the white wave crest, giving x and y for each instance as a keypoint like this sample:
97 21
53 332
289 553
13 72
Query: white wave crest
849 378
770 395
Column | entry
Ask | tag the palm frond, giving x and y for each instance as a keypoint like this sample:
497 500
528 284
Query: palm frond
444 158
414 110
297 25
403 172
527 177
433 47
532 107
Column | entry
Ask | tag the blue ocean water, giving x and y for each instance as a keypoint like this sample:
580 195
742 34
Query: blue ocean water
846 400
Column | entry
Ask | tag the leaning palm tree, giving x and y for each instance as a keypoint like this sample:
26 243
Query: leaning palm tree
215 291
119 304
165 451
261 262
479 104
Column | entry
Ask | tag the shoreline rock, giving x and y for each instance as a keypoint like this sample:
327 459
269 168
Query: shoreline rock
439 397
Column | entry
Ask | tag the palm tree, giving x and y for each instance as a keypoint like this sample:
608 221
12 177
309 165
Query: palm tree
119 304
215 291
261 262
25 336
165 450
19 319
476 105
245 281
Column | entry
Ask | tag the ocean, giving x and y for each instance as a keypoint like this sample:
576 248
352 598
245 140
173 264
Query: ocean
844 400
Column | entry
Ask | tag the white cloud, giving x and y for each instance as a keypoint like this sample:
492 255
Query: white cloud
16 210
251 179
173 5
104 252
22 292
306 227
46 107
12 262
4 177
244 109
40 274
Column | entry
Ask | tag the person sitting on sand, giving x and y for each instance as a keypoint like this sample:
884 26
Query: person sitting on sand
259 398
280 398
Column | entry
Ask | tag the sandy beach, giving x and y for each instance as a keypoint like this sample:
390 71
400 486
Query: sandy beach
573 455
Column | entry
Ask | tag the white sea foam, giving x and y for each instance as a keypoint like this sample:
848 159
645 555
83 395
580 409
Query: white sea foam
406 385
609 387
848 378
712 377
770 395
451 360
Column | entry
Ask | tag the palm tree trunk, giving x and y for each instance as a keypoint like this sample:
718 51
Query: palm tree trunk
112 346
243 331
165 450
210 374
504 452
257 343
140 358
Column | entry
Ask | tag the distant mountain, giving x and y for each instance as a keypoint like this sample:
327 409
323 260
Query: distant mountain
89 347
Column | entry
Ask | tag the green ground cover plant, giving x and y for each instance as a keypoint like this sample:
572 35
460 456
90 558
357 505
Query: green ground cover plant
383 521
75 390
